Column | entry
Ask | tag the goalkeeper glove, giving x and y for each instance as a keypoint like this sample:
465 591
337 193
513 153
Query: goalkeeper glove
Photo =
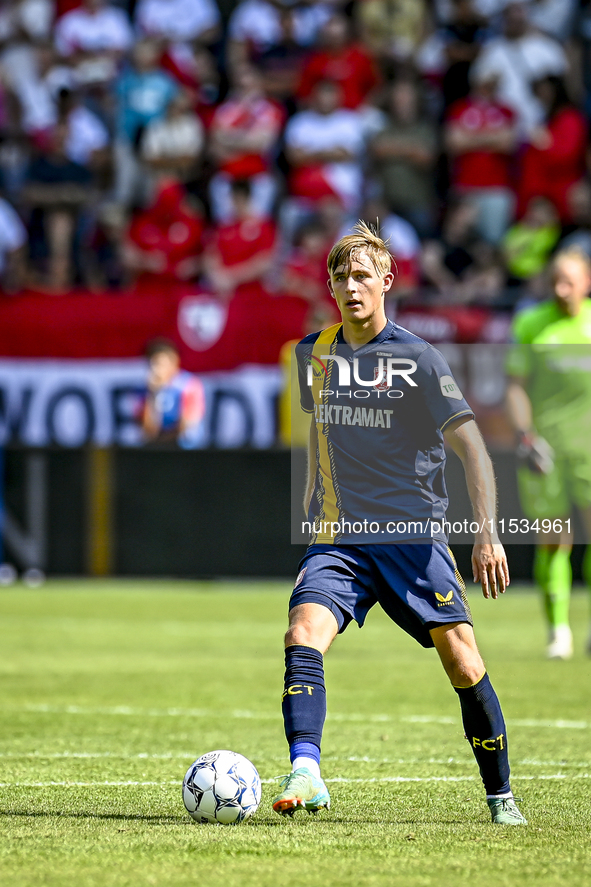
535 453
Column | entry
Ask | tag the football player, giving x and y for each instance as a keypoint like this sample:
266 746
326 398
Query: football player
383 402
549 406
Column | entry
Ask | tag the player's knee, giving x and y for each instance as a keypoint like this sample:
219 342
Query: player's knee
292 636
311 625
299 633
308 634
466 670
463 664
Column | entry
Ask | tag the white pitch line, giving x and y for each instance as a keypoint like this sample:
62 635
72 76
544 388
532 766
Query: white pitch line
190 756
537 776
92 755
513 722
336 779
68 784
128 711
454 778
560 724
527 762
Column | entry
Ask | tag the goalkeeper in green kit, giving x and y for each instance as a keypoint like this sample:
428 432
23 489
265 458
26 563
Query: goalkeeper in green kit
549 406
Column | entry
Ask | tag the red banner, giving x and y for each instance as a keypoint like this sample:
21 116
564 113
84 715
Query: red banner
211 333
458 324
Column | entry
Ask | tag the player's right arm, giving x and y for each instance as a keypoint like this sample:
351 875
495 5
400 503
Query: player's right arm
533 450
519 411
311 476
489 561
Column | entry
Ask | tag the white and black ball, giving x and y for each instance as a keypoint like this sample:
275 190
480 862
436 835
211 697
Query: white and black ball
221 786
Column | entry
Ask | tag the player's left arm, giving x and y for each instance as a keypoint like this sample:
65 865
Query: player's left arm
489 561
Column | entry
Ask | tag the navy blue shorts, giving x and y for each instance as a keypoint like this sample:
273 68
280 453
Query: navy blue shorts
418 585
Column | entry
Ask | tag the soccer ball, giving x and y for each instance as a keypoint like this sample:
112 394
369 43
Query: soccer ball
221 786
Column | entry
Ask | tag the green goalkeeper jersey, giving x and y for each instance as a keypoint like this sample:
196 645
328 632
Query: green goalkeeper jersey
553 354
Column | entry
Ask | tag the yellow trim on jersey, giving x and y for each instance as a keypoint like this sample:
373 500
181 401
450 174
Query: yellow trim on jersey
328 492
461 586
456 416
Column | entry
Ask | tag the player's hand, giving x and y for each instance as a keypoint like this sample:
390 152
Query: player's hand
490 568
536 453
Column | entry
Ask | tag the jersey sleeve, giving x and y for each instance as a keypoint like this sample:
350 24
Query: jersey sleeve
443 397
303 353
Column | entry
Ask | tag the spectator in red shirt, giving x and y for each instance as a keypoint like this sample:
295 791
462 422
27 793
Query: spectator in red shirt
480 137
555 159
241 251
304 273
323 146
164 241
244 131
341 61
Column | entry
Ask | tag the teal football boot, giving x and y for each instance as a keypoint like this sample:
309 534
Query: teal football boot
504 811
301 789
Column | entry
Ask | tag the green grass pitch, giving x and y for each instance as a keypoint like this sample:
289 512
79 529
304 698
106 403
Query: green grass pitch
110 689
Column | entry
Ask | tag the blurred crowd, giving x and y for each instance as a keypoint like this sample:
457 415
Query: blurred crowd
147 142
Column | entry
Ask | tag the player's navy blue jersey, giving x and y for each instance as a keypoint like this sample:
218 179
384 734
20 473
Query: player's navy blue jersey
380 412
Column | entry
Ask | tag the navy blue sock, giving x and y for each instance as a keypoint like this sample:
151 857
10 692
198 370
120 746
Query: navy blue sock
304 750
304 697
485 731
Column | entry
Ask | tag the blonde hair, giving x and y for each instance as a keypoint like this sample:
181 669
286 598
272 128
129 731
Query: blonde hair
365 239
572 254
